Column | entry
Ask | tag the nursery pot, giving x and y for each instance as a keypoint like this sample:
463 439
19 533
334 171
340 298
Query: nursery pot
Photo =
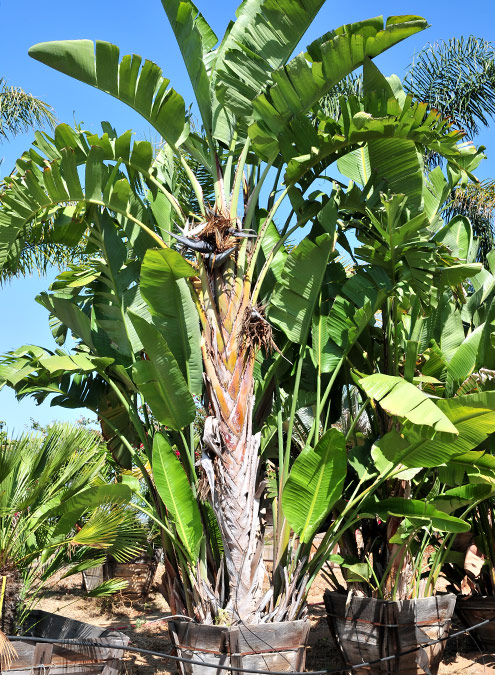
366 629
267 646
139 575
93 577
66 659
474 609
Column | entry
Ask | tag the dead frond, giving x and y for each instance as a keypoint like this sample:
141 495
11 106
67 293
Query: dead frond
218 229
7 652
256 330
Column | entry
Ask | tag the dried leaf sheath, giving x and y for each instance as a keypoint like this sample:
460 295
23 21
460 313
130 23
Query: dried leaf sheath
232 465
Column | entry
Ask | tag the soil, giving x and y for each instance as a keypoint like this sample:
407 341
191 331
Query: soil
143 621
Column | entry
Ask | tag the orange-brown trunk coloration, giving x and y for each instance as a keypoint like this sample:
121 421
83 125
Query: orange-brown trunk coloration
232 465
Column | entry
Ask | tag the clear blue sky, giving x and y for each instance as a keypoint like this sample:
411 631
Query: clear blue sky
142 28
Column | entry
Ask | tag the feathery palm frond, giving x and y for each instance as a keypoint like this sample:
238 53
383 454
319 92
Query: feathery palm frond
476 201
41 251
457 77
19 111
352 85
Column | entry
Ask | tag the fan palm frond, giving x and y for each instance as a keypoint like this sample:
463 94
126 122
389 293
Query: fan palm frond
115 529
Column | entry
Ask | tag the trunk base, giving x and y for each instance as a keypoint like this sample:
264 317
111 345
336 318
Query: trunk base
11 599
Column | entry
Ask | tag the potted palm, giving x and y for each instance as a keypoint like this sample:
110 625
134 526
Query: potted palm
54 515
180 296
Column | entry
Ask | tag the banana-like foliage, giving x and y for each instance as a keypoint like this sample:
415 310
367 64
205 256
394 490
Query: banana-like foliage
171 278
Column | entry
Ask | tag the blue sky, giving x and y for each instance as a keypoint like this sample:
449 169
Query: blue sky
142 28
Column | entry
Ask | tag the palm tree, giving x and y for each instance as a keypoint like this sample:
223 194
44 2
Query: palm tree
54 513
457 77
20 111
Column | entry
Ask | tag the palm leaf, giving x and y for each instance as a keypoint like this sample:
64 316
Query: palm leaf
457 77
20 111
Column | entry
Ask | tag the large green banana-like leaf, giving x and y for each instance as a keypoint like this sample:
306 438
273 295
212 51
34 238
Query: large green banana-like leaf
138 84
42 188
444 325
464 359
175 491
300 84
465 495
271 238
436 192
403 125
295 295
115 423
353 309
356 165
159 379
70 315
478 465
195 39
486 352
73 363
165 289
457 235
315 483
261 40
474 418
419 512
398 162
454 275
403 399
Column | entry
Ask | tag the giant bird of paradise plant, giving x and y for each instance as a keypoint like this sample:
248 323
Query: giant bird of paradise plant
215 276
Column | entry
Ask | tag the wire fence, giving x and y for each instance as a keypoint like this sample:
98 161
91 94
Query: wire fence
170 657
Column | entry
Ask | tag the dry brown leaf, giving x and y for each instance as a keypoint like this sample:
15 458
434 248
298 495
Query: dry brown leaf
473 562
7 652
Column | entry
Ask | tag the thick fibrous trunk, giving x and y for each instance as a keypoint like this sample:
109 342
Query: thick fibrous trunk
11 598
233 463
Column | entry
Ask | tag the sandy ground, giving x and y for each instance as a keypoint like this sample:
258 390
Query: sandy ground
142 621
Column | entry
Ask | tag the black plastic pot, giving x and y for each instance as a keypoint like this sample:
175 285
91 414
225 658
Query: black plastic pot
66 659
474 609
